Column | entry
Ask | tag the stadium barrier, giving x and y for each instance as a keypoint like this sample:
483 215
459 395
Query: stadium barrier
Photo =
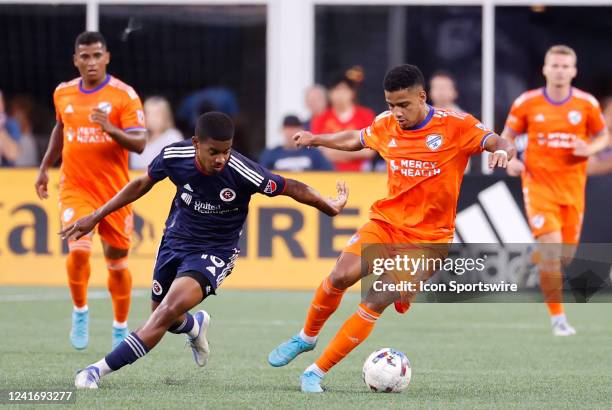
285 245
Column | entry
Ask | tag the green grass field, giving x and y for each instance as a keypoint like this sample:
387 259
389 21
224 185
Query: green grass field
462 355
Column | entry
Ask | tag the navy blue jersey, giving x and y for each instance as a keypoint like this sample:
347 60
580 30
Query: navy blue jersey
209 211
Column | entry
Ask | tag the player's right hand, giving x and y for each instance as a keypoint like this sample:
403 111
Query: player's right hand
80 228
303 139
42 180
515 167
339 202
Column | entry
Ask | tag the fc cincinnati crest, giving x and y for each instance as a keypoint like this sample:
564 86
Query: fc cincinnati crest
574 117
433 141
270 187
105 106
227 195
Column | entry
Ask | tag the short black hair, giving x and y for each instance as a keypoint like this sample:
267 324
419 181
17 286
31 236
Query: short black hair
402 77
216 125
87 38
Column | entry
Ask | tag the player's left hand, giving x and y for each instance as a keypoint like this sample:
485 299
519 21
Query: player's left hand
582 149
339 202
100 117
80 228
499 159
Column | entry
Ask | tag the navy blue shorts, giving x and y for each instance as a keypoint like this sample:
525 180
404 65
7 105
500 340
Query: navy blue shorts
214 265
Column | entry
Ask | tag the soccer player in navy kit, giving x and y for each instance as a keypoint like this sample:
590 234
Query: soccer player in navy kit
200 243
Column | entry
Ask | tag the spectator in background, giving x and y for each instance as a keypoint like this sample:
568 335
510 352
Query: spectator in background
161 131
443 91
9 137
22 111
344 114
315 99
289 157
601 163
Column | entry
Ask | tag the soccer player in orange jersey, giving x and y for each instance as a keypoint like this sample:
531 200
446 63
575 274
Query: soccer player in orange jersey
565 127
99 120
426 150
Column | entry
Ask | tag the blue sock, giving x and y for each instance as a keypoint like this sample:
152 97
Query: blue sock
128 351
184 327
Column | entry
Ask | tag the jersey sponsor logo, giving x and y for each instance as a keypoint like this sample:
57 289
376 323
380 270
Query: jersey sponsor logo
392 143
105 106
88 135
68 214
157 288
433 141
227 195
68 109
574 117
270 187
414 168
539 118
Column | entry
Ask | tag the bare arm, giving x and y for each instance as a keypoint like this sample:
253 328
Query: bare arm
133 141
130 193
54 151
598 143
502 150
9 149
307 195
343 140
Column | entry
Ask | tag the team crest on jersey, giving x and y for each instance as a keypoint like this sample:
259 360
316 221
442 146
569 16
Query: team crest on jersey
106 107
574 117
433 141
537 221
227 195
270 187
157 288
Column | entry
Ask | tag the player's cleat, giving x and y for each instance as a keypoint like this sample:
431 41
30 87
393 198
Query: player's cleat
79 334
119 333
87 378
287 351
199 344
563 328
401 307
311 382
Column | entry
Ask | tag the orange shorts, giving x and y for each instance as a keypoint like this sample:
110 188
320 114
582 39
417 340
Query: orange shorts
547 216
115 229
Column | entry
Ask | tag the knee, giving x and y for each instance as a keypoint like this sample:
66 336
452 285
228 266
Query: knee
343 278
375 305
166 313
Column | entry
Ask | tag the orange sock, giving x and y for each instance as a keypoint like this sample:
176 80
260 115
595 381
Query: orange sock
551 283
78 269
120 287
354 331
324 303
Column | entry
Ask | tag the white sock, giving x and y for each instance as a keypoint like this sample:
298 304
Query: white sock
315 369
554 319
81 310
119 325
195 330
103 367
306 338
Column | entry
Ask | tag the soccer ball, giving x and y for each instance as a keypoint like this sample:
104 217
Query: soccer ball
387 371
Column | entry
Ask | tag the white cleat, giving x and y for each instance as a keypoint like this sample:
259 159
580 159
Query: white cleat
199 344
87 378
563 328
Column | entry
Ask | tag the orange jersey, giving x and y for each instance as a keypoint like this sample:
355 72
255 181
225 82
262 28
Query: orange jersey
425 166
92 162
553 173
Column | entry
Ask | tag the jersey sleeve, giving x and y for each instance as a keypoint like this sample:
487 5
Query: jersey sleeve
157 168
517 117
58 117
373 135
473 134
132 115
595 120
257 178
